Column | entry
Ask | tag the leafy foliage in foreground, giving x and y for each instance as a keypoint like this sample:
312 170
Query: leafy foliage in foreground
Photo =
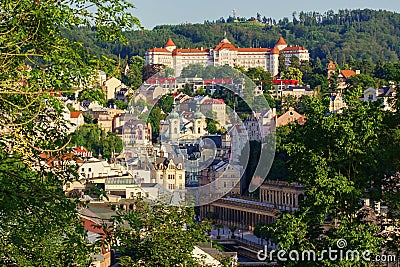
340 158
157 235
39 225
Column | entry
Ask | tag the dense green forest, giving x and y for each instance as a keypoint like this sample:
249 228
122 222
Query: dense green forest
341 36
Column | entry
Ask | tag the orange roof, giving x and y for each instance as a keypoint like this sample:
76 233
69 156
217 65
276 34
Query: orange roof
169 43
275 50
60 159
75 114
281 41
155 49
294 48
225 45
331 66
348 73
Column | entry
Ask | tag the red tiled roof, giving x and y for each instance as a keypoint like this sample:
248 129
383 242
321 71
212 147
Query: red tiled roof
169 43
331 66
348 73
80 150
294 48
155 49
275 50
281 41
225 44
213 101
49 159
74 114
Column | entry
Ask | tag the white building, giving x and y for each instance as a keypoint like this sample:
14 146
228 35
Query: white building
75 119
337 103
95 168
385 93
259 125
225 53
169 173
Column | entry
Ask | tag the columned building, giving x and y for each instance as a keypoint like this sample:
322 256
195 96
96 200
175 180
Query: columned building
225 53
242 213
245 213
282 195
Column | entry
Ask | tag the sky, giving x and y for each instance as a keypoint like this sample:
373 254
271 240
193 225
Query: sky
158 12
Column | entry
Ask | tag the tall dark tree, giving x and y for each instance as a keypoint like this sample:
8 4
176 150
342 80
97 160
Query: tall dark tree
336 179
294 62
282 63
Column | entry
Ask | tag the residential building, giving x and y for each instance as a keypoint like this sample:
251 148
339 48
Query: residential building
111 87
289 117
344 75
225 53
149 93
95 168
386 94
133 131
259 125
280 85
94 227
336 104
126 187
76 120
296 92
104 116
216 108
169 173
223 178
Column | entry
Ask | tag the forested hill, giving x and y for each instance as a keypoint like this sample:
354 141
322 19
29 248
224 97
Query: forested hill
343 36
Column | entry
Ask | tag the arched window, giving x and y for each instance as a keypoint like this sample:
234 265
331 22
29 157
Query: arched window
175 130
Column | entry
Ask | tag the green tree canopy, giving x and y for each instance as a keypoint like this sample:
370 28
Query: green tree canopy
39 225
347 158
92 94
292 74
96 140
158 235
166 103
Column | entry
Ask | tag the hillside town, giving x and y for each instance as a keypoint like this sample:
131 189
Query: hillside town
188 153
219 155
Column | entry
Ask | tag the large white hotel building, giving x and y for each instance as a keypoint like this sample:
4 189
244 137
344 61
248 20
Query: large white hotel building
225 53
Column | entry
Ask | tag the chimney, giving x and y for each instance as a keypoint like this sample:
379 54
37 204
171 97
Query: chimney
357 71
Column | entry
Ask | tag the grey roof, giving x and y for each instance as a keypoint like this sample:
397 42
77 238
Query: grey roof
148 184
386 91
